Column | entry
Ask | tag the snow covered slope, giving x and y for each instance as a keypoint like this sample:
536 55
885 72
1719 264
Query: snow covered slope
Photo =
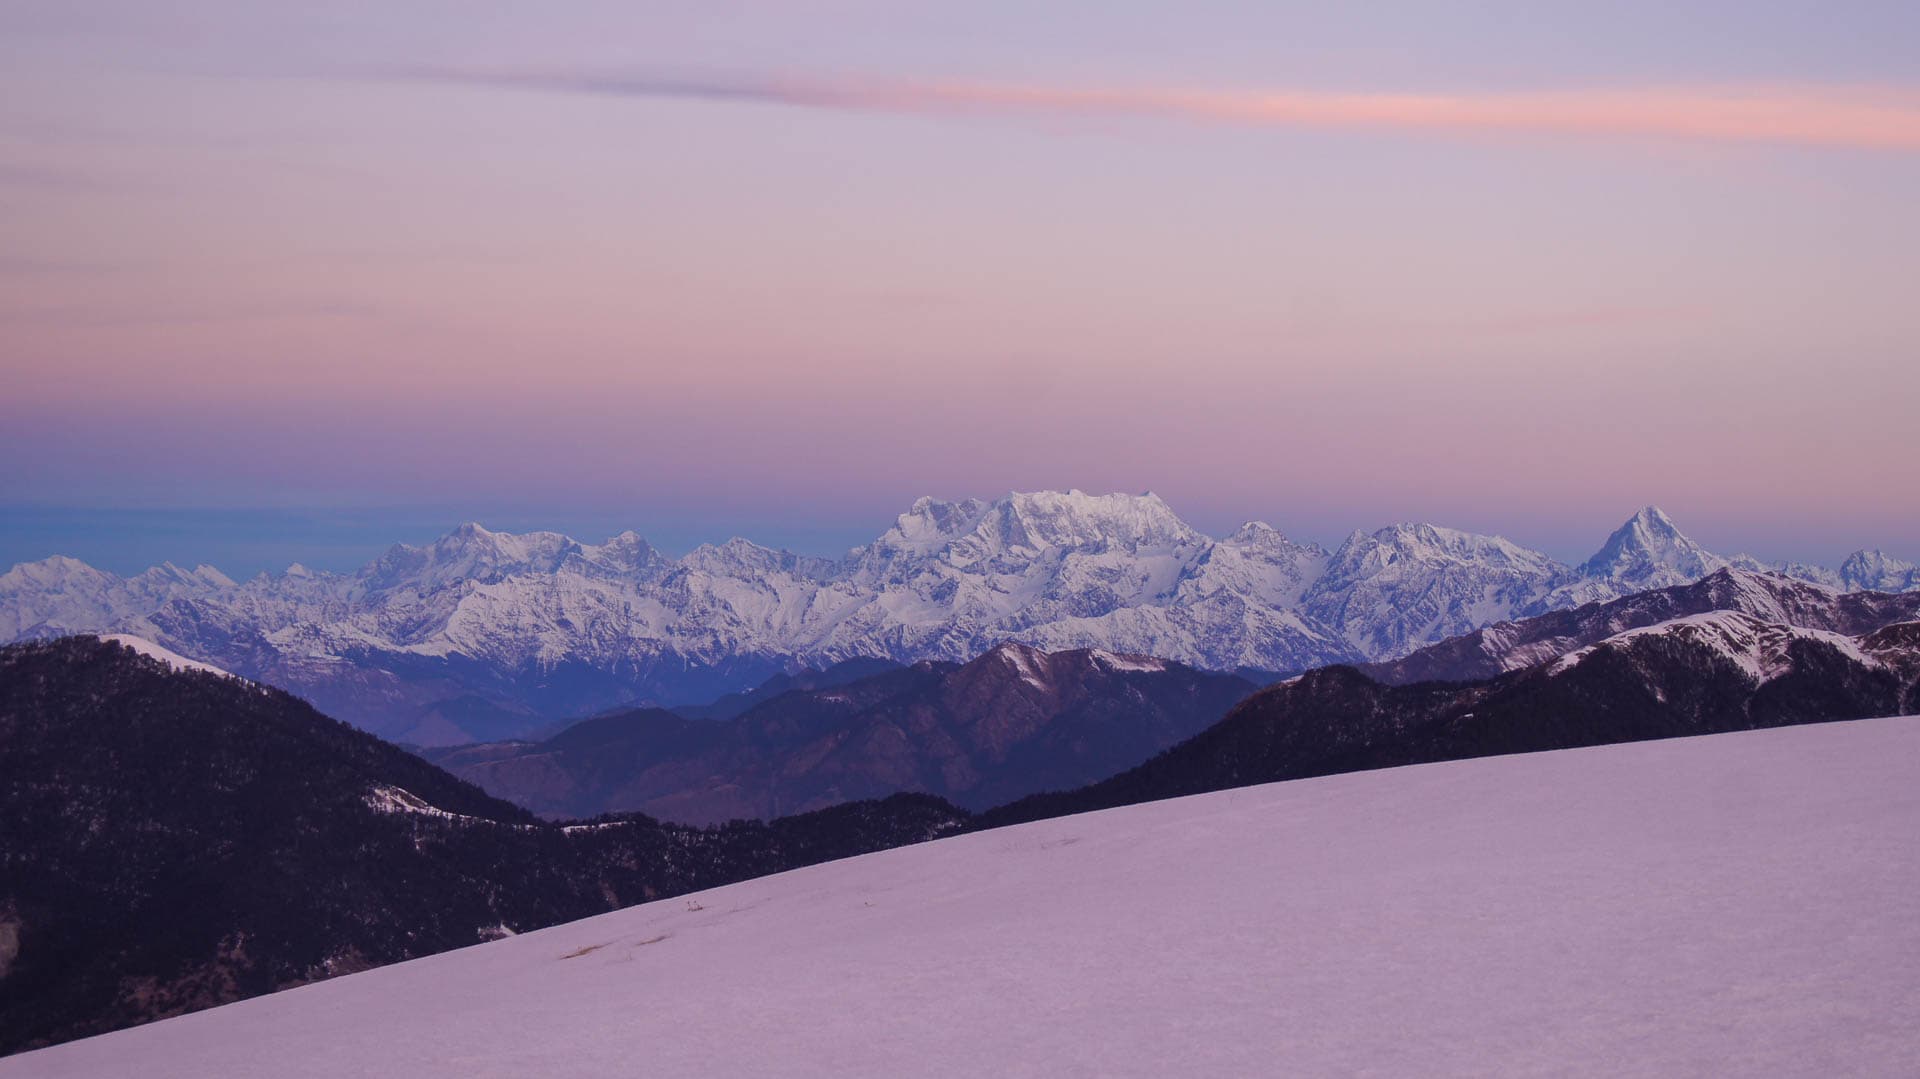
486 635
1742 904
170 658
1769 597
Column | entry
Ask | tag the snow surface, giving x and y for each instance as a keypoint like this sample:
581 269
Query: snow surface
1744 904
165 655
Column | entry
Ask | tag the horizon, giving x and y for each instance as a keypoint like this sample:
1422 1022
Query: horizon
255 541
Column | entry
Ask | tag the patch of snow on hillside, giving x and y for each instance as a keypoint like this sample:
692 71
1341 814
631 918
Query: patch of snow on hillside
1758 648
165 655
1115 662
1022 659
384 799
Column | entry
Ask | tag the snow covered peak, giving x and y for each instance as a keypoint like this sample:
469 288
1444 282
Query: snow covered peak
468 553
1260 535
1649 551
1653 518
627 552
212 576
745 559
1874 571
168 575
1408 585
58 571
1433 545
1075 519
1014 531
1253 533
1799 571
930 525
472 540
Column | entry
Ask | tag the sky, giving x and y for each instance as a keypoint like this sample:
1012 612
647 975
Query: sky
286 282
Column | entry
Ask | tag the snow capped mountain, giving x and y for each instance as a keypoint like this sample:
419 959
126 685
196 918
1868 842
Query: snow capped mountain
64 595
1874 571
1412 584
1770 597
485 634
1650 550
1761 650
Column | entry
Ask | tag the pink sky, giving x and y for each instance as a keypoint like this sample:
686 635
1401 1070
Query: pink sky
1522 273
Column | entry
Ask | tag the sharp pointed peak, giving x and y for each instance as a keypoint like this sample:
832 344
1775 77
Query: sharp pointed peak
206 571
1649 520
1647 547
465 534
1653 517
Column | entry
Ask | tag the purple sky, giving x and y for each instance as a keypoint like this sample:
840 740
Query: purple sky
703 268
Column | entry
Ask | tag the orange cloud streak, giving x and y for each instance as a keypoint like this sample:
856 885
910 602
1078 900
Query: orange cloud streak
1819 116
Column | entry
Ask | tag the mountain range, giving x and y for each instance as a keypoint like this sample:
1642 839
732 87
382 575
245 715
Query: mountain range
1769 597
1018 721
484 635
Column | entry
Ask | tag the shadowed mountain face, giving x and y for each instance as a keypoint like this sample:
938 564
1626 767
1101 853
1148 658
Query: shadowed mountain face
1703 674
1509 646
1013 722
174 840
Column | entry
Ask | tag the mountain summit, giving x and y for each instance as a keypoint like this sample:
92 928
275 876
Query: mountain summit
1650 551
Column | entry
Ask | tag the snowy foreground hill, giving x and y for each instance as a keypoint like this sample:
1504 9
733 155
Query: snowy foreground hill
484 635
1743 904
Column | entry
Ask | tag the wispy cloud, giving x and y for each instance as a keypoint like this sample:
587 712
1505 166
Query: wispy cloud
1874 118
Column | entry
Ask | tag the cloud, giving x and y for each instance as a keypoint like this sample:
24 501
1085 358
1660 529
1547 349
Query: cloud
1884 119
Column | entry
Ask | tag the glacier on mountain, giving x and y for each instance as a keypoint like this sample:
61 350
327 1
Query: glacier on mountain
485 634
